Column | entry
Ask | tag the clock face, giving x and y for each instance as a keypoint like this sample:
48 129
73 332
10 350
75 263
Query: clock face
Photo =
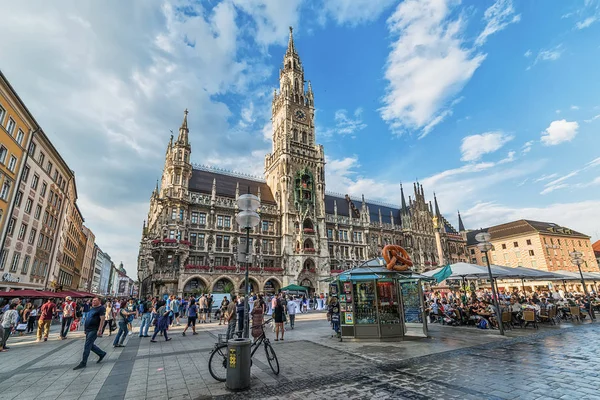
300 115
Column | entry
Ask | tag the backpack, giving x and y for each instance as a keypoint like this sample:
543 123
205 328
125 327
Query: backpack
482 324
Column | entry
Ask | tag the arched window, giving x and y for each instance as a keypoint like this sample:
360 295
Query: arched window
295 134
304 137
296 84
296 98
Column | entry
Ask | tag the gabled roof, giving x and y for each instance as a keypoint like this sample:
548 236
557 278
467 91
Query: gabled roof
226 183
596 246
523 226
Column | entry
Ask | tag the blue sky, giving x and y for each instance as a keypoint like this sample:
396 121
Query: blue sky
491 104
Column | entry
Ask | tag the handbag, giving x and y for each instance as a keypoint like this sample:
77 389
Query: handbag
21 327
74 325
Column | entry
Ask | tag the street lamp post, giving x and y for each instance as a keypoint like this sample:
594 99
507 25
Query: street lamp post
484 246
577 259
247 218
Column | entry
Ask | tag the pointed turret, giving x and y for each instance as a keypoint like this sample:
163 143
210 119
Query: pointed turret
183 130
437 208
291 49
461 226
403 199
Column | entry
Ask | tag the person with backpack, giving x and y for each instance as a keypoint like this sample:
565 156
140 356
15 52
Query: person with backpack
68 310
145 310
123 318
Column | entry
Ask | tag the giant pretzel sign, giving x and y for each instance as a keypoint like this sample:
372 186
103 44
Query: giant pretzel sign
396 258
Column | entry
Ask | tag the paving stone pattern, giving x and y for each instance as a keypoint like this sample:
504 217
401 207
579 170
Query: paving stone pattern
555 362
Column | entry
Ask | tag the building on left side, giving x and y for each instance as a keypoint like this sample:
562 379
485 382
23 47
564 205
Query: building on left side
38 202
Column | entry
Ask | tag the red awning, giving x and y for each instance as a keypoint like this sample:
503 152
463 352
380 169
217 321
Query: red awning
74 294
28 293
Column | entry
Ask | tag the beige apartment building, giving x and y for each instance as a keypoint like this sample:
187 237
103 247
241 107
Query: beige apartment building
35 223
533 244
16 128
87 267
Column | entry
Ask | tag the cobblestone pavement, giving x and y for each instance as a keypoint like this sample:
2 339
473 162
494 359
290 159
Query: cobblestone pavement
548 365
556 362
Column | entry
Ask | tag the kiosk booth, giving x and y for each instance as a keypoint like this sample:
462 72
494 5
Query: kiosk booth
379 304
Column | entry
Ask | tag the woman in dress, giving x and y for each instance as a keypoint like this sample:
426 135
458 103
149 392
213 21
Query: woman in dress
278 317
25 317
162 323
258 319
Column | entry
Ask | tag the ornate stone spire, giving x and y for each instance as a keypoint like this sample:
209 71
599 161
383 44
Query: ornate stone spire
403 199
291 49
437 208
461 226
183 130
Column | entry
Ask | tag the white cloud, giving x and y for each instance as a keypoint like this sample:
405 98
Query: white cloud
595 117
581 216
560 182
574 107
342 176
127 71
431 61
586 22
527 147
428 65
528 53
545 177
551 54
354 12
475 146
559 131
498 16
348 125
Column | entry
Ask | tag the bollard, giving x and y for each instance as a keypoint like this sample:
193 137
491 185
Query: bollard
238 364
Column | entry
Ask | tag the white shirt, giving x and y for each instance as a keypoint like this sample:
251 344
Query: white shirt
9 318
291 307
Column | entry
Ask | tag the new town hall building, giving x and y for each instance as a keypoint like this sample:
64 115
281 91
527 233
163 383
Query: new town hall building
190 240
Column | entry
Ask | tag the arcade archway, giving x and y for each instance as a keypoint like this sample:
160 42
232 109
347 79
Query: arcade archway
253 286
272 286
223 285
194 287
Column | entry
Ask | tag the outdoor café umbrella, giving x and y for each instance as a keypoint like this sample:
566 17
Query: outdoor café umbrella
460 270
294 288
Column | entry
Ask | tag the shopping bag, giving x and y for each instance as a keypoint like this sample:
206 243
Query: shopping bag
21 327
74 325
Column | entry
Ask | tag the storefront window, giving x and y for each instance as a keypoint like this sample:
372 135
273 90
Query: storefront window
365 310
387 298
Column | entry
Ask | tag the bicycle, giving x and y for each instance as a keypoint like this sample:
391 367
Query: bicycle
217 362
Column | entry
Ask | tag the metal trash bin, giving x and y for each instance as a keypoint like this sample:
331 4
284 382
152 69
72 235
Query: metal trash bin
238 364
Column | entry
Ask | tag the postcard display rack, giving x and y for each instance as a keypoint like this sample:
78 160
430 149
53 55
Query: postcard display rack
371 309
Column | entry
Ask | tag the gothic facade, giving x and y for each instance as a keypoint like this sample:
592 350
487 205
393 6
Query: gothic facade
190 240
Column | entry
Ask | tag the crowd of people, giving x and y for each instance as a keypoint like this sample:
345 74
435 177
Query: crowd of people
478 309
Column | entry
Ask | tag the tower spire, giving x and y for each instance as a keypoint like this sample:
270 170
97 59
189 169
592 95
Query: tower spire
437 209
291 49
403 199
183 130
461 226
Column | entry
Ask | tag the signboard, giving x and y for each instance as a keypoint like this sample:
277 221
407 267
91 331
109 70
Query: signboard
7 277
412 302
349 318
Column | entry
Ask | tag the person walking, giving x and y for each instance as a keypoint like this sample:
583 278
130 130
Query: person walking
209 304
33 316
224 305
132 310
109 317
192 315
85 309
47 313
123 319
231 317
25 315
162 324
145 309
93 322
68 309
291 310
278 314
203 305
241 309
9 321
175 307
257 321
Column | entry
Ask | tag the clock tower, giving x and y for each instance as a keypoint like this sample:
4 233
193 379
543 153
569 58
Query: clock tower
295 172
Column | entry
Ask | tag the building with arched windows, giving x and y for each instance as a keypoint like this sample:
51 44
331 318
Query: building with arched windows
191 242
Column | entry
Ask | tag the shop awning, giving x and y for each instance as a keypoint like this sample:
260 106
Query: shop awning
28 293
570 275
462 270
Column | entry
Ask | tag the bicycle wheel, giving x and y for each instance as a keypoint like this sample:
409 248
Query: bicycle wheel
272 358
217 363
